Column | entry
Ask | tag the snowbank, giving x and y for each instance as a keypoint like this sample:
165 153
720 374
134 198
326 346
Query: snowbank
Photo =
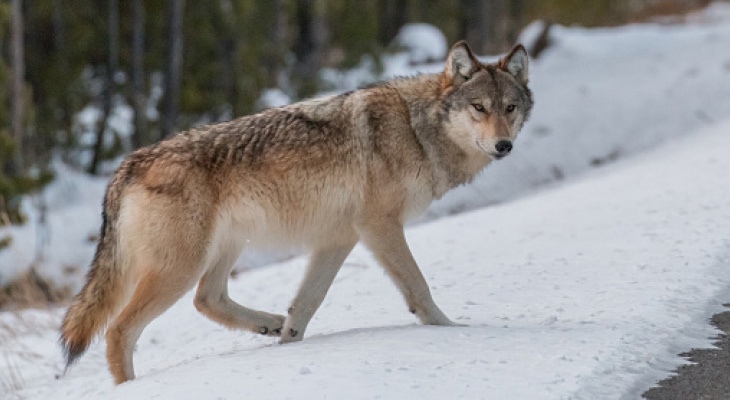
62 248
422 42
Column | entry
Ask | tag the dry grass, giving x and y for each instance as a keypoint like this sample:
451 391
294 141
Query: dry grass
19 353
12 326
10 378
30 290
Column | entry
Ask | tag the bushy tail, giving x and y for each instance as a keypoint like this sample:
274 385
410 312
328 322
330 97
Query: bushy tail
104 289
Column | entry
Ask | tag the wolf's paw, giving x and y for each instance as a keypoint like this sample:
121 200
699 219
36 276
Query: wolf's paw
434 316
271 325
291 335
293 331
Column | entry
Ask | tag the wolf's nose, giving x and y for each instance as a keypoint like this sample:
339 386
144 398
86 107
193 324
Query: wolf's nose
503 147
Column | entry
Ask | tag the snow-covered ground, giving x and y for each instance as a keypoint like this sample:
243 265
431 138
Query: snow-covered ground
586 289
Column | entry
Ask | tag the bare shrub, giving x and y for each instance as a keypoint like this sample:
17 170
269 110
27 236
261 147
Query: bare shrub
30 290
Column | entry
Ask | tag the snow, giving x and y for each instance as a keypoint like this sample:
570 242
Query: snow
422 42
586 287
65 247
274 98
530 34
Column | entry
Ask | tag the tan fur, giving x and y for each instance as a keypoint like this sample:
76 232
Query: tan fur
319 175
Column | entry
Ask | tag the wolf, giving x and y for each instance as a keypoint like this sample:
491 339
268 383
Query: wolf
323 175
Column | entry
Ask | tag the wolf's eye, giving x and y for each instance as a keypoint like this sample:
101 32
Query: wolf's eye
478 107
511 108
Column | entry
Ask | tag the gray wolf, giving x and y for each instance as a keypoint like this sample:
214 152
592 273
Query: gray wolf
321 174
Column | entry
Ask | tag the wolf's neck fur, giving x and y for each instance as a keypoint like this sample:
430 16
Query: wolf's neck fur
450 164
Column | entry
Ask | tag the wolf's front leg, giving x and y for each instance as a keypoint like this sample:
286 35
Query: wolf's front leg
323 267
387 241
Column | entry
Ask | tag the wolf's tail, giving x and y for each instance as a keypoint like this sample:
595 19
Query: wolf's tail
104 289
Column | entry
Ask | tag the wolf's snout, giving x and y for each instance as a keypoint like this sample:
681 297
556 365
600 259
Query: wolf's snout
503 147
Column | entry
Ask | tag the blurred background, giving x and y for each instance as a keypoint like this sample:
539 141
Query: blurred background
84 82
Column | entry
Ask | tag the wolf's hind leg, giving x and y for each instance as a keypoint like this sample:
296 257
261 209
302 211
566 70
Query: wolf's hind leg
212 300
321 271
154 294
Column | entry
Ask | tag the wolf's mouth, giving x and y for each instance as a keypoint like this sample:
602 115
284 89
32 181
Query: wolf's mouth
496 156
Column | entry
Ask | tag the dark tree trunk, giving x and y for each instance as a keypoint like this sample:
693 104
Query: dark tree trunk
311 45
498 22
473 21
18 77
485 25
516 20
231 46
59 28
140 137
281 36
111 69
173 66
393 15
59 44
304 46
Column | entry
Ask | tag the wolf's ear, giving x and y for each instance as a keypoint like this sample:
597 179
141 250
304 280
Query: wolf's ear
461 63
516 63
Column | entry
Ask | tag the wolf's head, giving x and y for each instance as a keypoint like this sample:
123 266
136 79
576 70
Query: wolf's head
487 104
